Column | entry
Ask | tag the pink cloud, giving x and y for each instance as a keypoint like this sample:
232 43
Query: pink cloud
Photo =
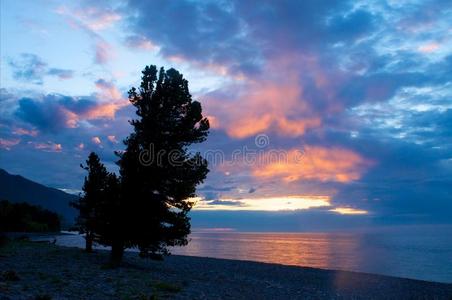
316 163
281 102
112 139
96 140
109 101
108 90
264 106
8 144
90 20
94 18
104 52
47 147
72 118
22 131
429 47
142 43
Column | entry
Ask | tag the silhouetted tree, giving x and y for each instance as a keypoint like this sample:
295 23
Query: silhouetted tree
89 203
158 173
109 229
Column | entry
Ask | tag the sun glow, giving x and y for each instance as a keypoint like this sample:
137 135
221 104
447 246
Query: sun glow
283 203
349 211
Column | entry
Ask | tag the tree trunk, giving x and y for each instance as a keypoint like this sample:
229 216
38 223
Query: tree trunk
117 251
89 242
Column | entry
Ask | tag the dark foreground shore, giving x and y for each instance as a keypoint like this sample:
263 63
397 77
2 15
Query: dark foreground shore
32 270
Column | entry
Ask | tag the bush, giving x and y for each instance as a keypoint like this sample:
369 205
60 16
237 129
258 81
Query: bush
24 217
10 275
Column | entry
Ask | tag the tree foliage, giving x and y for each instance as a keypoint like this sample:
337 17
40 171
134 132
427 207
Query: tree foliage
24 217
156 186
90 201
147 206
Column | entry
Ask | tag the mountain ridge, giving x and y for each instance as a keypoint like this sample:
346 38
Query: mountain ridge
17 188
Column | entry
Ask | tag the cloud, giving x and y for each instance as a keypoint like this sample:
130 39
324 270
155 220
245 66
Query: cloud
215 188
31 68
94 18
47 146
96 140
108 90
54 112
47 113
22 131
91 19
61 73
349 211
112 139
104 52
281 203
216 35
328 52
409 171
140 42
365 87
8 144
351 26
429 47
316 163
262 106
225 202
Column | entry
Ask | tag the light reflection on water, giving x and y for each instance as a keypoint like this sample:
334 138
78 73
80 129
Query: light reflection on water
420 253
309 249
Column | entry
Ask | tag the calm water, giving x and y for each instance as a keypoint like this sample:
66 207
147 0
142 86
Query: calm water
421 253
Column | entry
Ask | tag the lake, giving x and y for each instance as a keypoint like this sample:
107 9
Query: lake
412 252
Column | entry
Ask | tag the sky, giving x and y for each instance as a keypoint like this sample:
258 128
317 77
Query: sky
325 115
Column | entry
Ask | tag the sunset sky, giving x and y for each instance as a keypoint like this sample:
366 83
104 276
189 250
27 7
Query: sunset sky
356 97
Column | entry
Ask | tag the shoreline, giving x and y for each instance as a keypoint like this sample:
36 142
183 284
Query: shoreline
67 273
65 239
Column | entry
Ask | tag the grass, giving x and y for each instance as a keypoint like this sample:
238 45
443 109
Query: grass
10 275
43 297
167 287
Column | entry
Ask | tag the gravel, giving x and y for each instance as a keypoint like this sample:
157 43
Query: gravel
56 272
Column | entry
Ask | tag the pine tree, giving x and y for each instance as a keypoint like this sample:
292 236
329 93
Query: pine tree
158 172
109 216
88 203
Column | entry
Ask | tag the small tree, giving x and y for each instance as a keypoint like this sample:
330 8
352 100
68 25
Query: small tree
89 202
109 218
156 186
